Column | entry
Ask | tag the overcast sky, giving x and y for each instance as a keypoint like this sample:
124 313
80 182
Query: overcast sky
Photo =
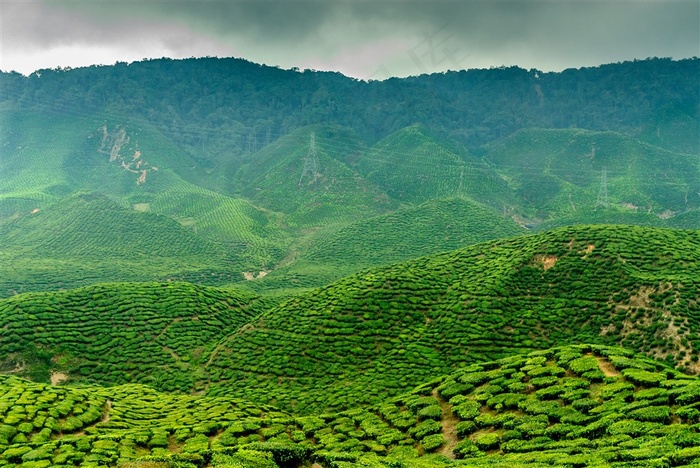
358 38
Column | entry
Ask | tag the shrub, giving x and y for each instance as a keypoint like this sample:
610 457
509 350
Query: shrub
467 410
488 441
643 377
425 428
652 414
432 442
466 449
465 427
430 412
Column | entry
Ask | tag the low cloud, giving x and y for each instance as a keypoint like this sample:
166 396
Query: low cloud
361 39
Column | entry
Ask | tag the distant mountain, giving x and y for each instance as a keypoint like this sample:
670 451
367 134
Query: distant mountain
219 109
559 173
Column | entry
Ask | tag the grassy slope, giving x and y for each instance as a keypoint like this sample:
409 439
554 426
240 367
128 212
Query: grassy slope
379 332
154 333
88 238
570 406
412 166
432 227
557 174
272 179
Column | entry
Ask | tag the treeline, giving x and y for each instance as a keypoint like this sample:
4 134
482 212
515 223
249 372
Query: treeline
221 107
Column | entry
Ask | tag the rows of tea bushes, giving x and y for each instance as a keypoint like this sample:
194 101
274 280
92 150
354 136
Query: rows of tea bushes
435 226
272 178
583 405
88 238
379 332
412 165
432 227
153 333
234 222
32 160
46 158
558 172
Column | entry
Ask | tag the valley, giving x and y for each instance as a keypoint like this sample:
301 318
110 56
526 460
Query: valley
244 266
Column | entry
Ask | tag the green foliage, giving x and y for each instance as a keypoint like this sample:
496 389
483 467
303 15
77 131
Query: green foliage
382 331
153 333
137 425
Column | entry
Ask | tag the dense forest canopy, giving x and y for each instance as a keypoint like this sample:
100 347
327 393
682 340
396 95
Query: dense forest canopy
226 107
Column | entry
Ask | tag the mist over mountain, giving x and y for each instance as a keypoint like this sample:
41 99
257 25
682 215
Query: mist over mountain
215 263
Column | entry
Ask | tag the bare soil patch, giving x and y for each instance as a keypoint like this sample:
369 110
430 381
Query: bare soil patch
58 378
547 261
607 368
108 407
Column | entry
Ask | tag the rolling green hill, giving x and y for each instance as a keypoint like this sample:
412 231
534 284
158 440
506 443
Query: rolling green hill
274 178
151 333
584 405
558 173
87 238
46 157
432 227
412 165
379 332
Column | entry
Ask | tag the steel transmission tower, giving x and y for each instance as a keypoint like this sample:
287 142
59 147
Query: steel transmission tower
603 191
310 162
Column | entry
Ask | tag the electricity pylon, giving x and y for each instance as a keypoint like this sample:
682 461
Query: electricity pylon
310 162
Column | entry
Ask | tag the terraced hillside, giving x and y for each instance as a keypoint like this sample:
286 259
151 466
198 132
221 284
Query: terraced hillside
410 232
413 166
274 178
558 173
87 238
584 405
152 333
47 157
377 333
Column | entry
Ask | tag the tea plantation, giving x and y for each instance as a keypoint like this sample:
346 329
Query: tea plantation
379 332
87 238
151 333
583 405
431 227
215 263
557 173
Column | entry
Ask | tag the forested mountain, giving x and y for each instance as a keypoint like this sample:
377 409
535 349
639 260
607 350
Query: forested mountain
220 109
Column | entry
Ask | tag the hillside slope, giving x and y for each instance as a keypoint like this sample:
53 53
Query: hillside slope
87 238
377 333
414 166
583 405
559 173
410 232
115 333
279 178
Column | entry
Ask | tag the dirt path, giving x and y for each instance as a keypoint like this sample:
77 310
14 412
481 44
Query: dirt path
607 368
449 431
108 407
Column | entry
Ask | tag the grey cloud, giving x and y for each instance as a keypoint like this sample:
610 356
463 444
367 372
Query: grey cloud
540 34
